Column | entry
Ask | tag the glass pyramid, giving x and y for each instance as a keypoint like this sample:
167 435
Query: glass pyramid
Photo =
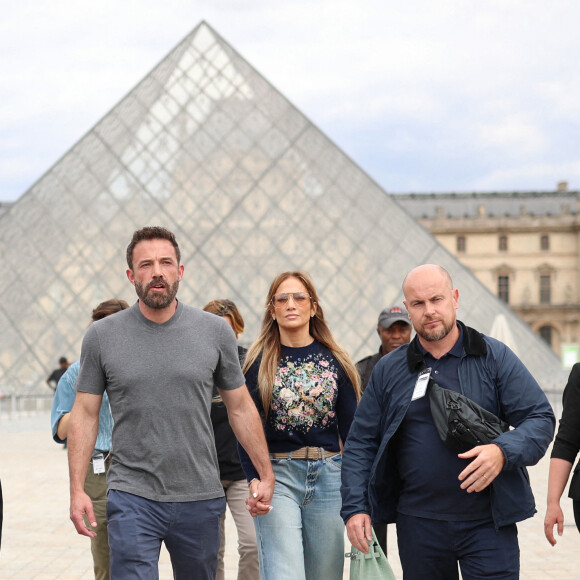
205 146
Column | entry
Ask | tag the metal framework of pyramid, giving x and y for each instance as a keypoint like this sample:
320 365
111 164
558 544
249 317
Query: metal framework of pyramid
205 146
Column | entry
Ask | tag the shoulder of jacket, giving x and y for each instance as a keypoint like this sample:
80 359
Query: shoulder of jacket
366 359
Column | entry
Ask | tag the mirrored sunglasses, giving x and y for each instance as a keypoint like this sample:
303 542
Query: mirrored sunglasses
300 298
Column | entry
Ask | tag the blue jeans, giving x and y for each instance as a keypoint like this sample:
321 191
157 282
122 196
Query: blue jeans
433 548
137 526
302 538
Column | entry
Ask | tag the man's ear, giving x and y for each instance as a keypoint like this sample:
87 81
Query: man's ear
131 276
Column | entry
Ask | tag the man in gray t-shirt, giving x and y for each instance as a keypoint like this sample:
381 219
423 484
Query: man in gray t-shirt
159 362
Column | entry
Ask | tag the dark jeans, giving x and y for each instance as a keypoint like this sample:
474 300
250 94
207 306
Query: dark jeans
137 526
433 549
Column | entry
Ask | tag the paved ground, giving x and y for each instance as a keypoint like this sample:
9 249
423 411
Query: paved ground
40 543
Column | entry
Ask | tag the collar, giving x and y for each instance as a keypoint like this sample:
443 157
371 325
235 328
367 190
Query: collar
473 344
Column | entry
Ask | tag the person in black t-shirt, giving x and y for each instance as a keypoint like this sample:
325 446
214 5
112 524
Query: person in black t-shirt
54 377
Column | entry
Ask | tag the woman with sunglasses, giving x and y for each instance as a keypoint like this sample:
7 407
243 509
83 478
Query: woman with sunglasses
306 389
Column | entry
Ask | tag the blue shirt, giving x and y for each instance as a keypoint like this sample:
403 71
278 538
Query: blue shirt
427 468
64 399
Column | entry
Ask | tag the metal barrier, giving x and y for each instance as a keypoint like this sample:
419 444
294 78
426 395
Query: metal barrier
13 405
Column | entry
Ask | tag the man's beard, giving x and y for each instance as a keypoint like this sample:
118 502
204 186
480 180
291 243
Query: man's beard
435 335
156 300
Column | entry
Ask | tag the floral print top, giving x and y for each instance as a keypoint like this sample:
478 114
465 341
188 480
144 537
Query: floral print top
313 402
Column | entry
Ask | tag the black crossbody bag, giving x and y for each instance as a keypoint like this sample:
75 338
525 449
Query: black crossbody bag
461 423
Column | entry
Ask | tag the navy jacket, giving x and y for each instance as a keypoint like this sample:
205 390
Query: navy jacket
491 375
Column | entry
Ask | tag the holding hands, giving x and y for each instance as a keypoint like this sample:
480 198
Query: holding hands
258 503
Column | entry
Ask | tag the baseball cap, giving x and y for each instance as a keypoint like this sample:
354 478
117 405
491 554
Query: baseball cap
391 315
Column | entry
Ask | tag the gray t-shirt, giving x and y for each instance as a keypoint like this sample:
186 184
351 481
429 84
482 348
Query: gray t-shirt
160 378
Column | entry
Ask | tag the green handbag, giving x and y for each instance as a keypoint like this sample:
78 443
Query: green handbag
371 566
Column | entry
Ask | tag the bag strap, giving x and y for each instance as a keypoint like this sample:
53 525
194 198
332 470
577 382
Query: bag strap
375 551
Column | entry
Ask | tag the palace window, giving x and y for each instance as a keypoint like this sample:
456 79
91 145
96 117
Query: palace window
545 242
503 244
461 243
545 289
546 334
503 288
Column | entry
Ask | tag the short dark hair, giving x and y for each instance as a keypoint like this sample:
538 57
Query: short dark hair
151 233
108 307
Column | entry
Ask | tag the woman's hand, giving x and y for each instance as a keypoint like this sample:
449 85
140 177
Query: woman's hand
554 515
258 503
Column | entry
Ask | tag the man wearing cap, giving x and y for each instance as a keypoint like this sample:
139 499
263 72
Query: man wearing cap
394 329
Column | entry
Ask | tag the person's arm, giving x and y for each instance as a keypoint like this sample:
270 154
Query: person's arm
523 405
51 382
62 404
82 435
346 405
559 472
359 453
62 429
247 427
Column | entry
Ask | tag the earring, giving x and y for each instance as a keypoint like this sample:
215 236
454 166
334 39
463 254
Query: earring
274 318
312 316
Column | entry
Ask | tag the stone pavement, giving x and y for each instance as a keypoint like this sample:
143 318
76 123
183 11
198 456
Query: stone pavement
40 543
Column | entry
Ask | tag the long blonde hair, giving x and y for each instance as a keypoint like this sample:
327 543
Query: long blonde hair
269 346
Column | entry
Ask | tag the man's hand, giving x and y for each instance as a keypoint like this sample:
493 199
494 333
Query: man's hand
486 466
359 531
82 433
81 505
554 516
261 493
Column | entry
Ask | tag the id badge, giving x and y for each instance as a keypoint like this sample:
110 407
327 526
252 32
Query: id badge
421 384
99 464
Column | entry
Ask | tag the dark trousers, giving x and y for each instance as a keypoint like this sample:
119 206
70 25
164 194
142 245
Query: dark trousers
434 548
381 534
576 505
137 526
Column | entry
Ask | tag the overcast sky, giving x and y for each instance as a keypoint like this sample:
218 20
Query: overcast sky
425 95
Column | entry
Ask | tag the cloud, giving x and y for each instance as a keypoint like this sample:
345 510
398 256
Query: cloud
430 96
513 133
